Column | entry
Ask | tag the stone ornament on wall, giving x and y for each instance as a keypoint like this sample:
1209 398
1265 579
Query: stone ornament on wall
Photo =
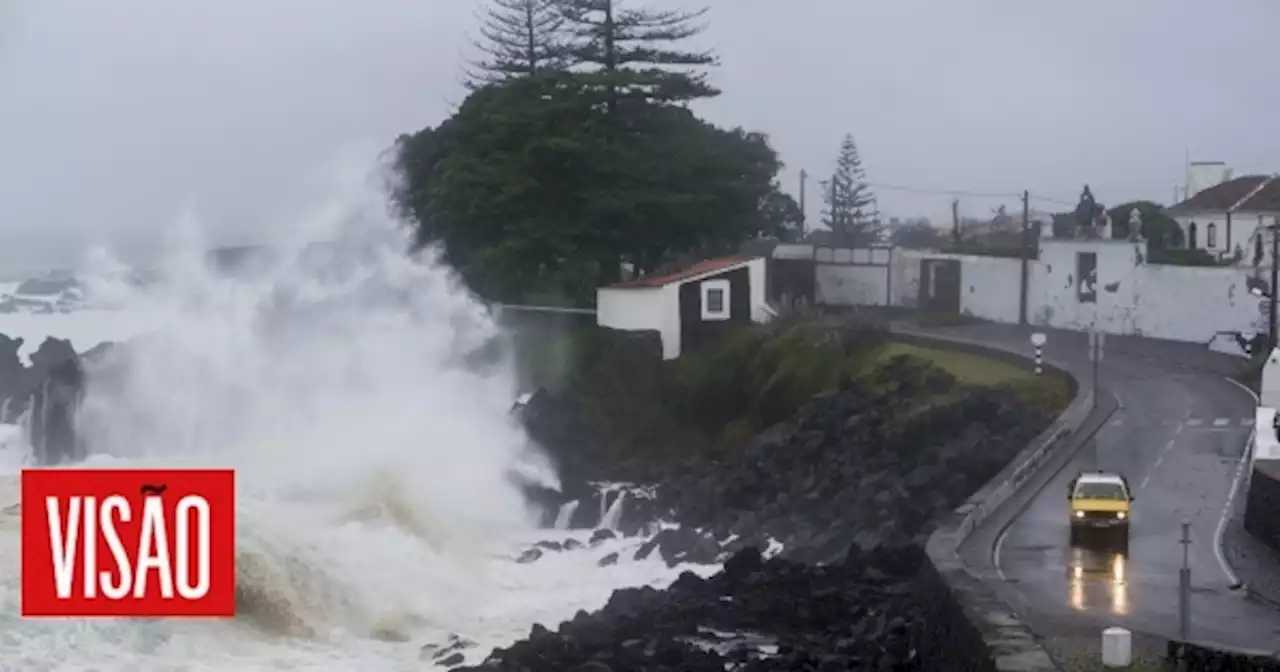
1135 225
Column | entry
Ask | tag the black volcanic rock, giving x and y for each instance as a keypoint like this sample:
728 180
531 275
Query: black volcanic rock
51 388
850 485
855 614
12 376
57 388
849 469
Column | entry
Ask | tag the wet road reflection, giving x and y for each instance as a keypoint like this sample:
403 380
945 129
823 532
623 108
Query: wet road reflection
1096 578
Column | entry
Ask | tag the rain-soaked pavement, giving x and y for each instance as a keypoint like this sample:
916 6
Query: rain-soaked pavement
1178 433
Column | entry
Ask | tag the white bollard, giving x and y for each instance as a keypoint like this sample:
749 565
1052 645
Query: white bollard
1117 647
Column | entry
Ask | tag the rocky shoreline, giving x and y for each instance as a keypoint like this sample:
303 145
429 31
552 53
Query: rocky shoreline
850 486
44 397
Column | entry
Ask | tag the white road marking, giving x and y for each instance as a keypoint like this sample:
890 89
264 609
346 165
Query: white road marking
1231 495
1221 422
1165 451
1194 422
995 552
1226 513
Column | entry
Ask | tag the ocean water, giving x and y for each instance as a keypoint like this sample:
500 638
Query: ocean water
375 514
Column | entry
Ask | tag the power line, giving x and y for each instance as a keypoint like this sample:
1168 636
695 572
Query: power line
965 192
941 192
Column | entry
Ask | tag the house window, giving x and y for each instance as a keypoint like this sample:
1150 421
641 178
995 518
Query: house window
715 299
1191 236
1211 235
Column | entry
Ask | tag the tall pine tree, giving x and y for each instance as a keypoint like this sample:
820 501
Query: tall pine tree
519 38
850 210
634 51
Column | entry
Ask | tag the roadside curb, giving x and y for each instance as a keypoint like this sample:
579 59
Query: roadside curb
1249 592
1010 643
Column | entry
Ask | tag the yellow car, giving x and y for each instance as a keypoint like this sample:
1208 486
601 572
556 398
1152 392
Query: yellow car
1100 501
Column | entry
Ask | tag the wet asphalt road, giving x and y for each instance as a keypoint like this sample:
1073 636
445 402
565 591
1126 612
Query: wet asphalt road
1178 432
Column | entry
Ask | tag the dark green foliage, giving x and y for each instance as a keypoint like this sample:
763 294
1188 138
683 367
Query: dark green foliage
571 157
519 38
1158 228
533 186
850 210
634 53
763 374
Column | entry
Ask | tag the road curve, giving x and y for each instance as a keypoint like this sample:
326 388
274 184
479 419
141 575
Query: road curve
1177 428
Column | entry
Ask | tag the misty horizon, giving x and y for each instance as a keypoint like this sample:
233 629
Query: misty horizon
219 114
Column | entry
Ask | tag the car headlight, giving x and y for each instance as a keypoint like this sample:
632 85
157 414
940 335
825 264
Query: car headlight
1120 515
1079 514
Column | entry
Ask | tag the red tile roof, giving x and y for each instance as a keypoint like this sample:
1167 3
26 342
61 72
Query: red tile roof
703 267
1249 193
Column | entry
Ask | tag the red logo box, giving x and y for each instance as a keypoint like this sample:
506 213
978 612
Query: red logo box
161 542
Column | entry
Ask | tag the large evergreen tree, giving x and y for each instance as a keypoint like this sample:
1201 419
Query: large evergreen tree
519 38
850 210
635 53
530 186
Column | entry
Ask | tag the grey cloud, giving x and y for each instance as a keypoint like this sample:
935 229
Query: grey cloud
119 115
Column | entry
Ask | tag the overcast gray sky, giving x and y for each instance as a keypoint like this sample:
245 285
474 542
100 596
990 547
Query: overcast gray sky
118 116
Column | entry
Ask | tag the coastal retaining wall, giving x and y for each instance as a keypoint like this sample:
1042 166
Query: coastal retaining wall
971 627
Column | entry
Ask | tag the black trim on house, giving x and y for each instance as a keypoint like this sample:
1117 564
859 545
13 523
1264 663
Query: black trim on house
705 310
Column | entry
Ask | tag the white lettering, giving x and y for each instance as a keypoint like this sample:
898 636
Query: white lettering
62 542
90 547
115 504
86 518
153 551
186 506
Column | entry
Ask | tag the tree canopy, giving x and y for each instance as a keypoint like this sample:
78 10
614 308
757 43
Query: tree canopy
537 184
850 210
1158 228
520 37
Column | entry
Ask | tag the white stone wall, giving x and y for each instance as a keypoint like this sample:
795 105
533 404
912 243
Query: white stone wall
1133 297
756 270
851 285
641 309
989 286
1053 299
1193 304
852 277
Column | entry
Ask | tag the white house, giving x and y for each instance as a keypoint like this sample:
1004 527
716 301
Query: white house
1232 217
687 307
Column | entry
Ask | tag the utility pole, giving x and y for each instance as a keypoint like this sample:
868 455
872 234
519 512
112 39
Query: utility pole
837 211
1184 584
1275 279
804 177
1026 254
955 220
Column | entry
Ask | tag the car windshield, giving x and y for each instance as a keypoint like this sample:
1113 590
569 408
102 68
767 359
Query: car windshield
1100 491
